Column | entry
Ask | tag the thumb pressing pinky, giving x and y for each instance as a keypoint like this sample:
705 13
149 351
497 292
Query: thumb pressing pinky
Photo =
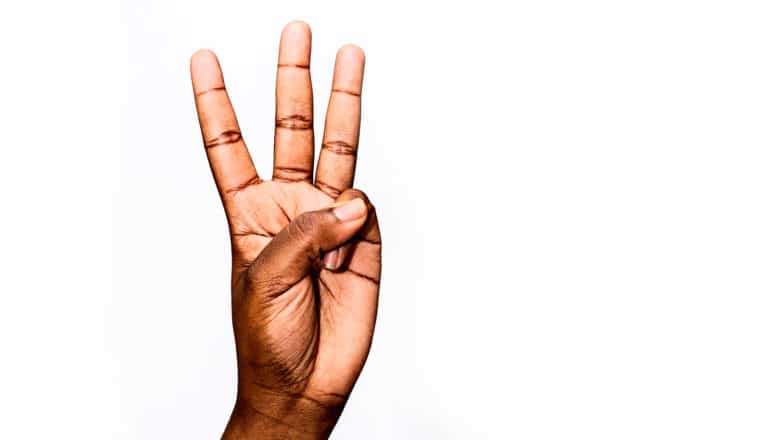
335 258
293 252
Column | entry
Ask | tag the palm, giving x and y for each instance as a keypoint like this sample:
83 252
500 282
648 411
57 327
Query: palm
309 328
306 333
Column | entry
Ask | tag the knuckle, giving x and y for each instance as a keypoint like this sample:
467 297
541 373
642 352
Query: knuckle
224 138
291 174
357 193
353 192
330 190
340 147
294 122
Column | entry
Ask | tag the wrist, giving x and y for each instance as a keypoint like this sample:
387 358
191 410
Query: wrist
275 415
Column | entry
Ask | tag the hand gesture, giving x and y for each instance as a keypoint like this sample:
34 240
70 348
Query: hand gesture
305 249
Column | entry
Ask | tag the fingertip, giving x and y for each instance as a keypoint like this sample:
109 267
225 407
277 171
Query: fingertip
205 70
331 259
296 32
295 46
202 57
296 26
351 52
349 69
336 259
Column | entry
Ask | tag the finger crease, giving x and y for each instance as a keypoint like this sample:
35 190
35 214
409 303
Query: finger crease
297 395
326 286
296 66
339 147
290 174
295 122
253 181
247 234
328 189
276 420
224 138
284 179
213 89
347 92
285 214
364 276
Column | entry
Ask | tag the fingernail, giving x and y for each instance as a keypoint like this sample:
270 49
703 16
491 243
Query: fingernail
330 260
350 210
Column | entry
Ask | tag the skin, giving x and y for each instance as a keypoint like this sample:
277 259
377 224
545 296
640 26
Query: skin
306 250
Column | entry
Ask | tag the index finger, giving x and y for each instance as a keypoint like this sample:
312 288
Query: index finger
228 156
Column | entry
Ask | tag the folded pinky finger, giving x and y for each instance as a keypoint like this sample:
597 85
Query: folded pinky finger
369 232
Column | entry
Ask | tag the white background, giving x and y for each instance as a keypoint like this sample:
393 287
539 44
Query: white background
574 198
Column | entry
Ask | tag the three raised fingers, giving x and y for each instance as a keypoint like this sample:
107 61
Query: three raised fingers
228 156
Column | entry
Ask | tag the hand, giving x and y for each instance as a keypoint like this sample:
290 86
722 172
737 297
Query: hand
306 253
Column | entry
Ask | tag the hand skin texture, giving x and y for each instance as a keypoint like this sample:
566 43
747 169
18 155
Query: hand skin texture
306 251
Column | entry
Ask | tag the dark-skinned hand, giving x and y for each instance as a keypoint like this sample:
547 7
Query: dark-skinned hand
305 250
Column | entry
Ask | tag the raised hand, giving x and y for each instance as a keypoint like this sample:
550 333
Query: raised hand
306 251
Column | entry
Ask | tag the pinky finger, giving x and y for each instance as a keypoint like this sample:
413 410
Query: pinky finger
370 232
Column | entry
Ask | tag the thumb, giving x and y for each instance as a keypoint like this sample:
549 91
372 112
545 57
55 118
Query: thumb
295 250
